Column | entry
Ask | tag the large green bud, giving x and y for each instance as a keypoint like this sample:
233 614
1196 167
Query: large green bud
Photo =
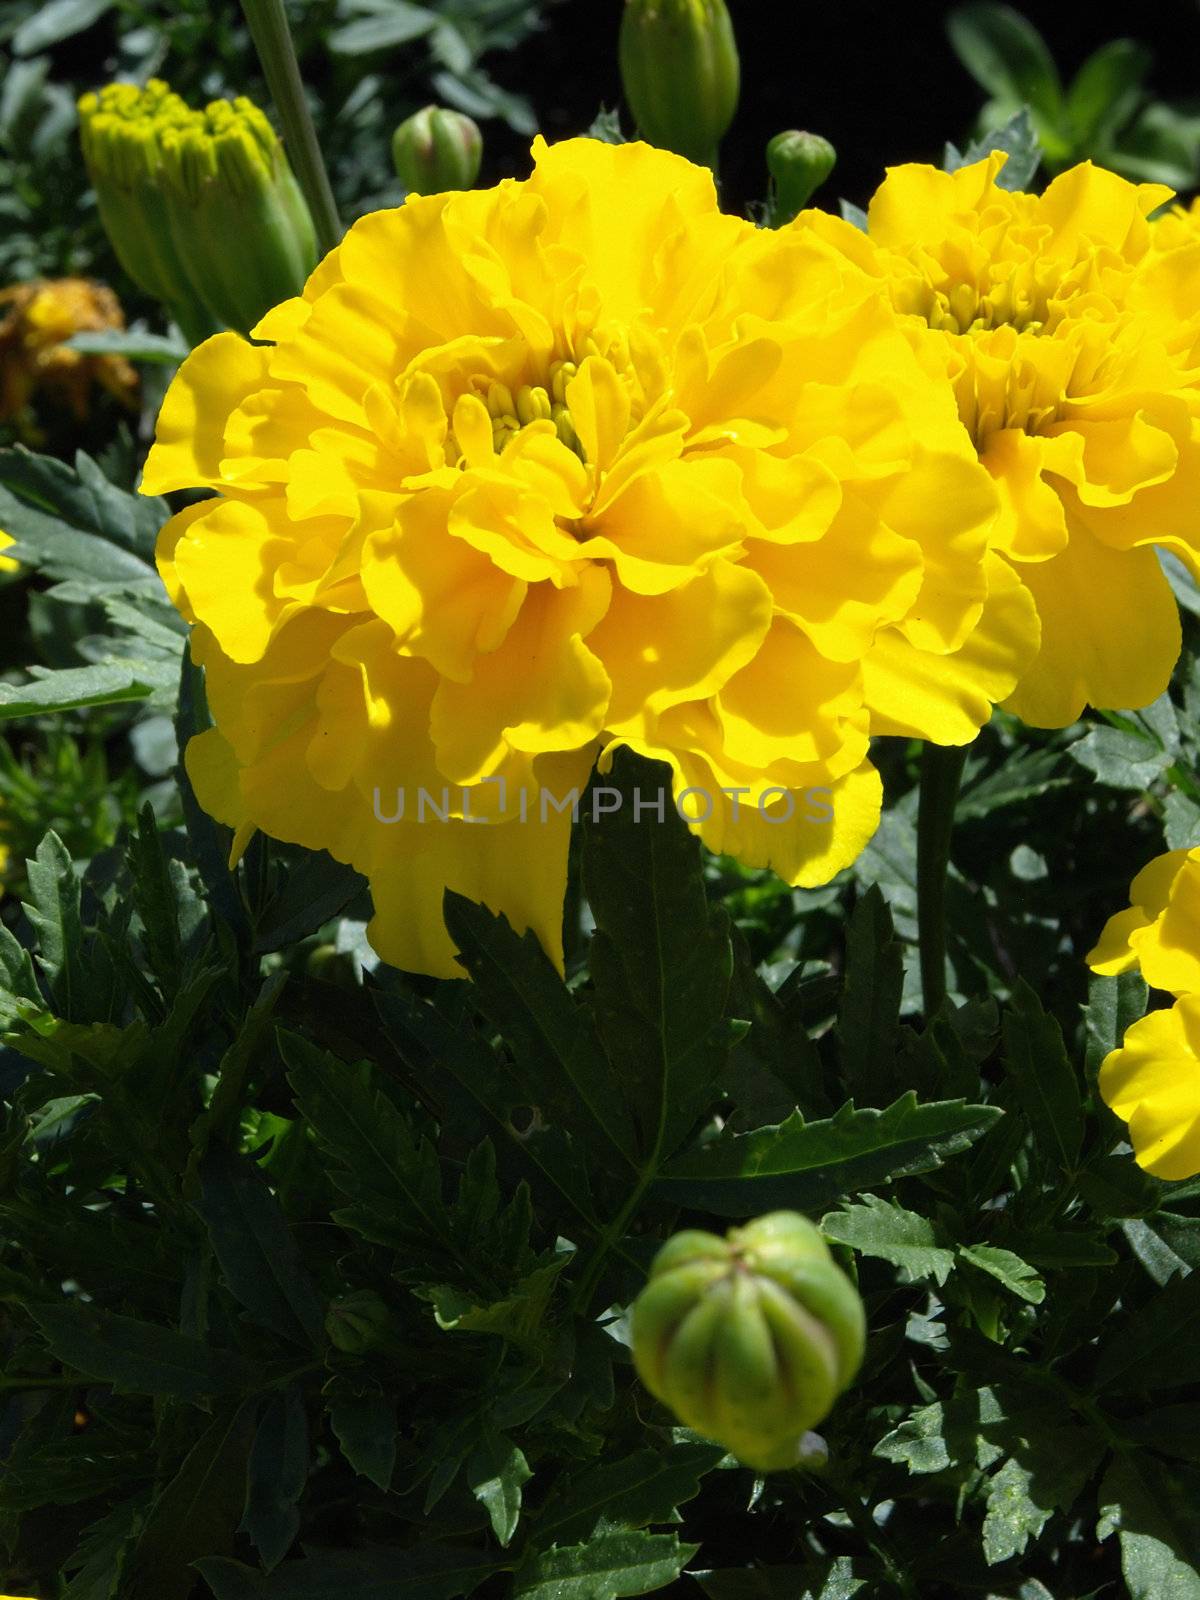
201 207
799 164
751 1338
680 70
435 150
356 1322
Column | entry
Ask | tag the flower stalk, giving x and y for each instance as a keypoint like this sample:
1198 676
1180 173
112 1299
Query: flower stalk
941 774
273 41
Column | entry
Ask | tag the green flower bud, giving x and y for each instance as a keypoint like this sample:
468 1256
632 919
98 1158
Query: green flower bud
201 206
799 164
435 150
680 70
750 1339
357 1322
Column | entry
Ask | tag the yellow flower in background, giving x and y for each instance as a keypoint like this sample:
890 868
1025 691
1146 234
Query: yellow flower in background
1073 348
1159 933
534 472
1153 1083
36 319
1153 1080
7 564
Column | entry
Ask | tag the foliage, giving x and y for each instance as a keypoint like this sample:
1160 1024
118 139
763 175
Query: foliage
1106 113
222 1118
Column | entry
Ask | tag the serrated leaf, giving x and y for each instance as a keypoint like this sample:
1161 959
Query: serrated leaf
388 1170
138 1357
196 1514
496 1471
552 1036
1154 1510
1018 139
317 888
869 1014
854 215
275 1477
1017 1276
1114 1004
1046 1083
108 683
255 1248
606 1568
660 957
803 1165
880 1228
367 1430
75 524
631 1492
1135 754
833 1579
1155 1347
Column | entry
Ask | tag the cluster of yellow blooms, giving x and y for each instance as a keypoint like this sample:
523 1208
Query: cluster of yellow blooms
36 320
1153 1080
531 473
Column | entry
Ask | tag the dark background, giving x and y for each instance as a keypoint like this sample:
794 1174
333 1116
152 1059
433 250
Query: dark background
878 79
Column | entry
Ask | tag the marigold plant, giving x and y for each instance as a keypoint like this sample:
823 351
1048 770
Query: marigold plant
530 473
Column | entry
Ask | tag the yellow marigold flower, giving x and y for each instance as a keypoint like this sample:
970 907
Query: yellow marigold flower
533 472
35 321
1159 934
1153 1083
1073 347
7 563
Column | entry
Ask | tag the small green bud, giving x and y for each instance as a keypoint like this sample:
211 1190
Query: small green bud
680 71
435 150
357 1322
750 1339
799 164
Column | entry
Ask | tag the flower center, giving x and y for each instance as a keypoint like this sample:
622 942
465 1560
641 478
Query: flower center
533 403
964 309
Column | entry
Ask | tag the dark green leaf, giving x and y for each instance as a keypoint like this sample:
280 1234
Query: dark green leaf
366 1428
870 1010
806 1165
399 24
53 909
638 1489
275 1479
496 1471
317 888
138 1357
1156 1512
429 1572
660 957
196 1514
607 1567
1134 754
1046 1084
255 1248
1114 1004
879 1228
107 683
1155 1348
133 344
553 1037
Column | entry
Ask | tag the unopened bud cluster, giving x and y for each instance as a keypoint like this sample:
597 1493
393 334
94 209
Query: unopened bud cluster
201 207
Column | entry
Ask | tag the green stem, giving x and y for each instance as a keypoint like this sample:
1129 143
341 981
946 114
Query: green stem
586 1284
941 773
273 41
